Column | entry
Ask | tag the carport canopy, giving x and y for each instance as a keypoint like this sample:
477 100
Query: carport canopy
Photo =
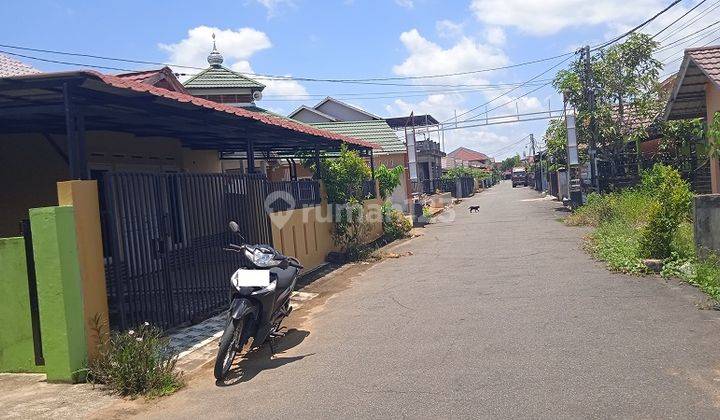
69 103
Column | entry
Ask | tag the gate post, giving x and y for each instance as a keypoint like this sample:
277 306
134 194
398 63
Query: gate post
59 293
83 196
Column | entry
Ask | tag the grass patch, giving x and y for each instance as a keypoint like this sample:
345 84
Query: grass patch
625 221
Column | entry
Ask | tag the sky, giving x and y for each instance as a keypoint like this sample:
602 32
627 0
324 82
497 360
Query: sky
361 39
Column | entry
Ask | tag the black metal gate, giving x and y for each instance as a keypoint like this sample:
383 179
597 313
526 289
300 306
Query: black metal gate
164 235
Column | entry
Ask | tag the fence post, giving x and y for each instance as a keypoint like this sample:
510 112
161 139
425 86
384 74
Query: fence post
59 292
83 196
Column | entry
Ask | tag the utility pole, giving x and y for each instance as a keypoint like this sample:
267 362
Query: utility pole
590 98
535 172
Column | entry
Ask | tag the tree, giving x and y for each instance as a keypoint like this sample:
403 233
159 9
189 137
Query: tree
344 178
556 140
624 79
510 162
388 179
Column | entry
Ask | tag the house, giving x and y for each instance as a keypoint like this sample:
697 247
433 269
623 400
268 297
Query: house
115 201
12 67
696 94
473 158
427 154
339 117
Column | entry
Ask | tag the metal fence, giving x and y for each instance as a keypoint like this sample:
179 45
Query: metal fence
165 234
431 186
288 195
628 171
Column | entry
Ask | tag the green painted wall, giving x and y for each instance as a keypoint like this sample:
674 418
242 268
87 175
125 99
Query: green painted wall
16 341
59 293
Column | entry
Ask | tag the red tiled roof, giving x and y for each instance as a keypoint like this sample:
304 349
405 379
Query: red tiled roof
708 60
121 83
11 67
163 78
463 153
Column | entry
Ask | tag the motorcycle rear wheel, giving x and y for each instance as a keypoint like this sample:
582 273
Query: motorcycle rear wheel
230 346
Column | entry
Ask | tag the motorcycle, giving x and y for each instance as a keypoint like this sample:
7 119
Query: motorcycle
260 299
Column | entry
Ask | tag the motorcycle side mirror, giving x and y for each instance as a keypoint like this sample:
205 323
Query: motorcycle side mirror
234 227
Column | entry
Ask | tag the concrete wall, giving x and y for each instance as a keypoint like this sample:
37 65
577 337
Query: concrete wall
306 233
712 101
707 223
32 167
399 196
16 339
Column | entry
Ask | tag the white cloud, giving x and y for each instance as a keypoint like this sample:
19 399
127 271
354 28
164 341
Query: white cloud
449 29
273 6
236 47
428 58
495 35
408 4
551 16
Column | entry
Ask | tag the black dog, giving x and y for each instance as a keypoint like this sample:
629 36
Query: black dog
475 209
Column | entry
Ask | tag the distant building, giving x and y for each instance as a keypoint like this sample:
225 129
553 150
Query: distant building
473 159
339 117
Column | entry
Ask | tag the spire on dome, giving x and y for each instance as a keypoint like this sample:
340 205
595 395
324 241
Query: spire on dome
215 58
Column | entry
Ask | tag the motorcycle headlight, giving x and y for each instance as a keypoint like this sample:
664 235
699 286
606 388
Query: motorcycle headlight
263 259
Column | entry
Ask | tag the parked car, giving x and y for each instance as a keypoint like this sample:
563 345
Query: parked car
519 177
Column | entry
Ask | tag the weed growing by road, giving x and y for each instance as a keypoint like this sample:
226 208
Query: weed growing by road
651 220
135 362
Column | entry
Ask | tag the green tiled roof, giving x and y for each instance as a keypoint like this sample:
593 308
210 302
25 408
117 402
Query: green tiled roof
378 132
220 77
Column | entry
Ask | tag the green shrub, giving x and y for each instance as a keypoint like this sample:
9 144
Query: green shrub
388 179
395 224
135 362
673 201
350 230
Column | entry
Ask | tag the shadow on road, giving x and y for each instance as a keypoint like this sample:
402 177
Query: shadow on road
262 358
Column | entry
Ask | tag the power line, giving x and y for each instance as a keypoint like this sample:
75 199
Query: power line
616 39
511 90
678 19
699 16
277 77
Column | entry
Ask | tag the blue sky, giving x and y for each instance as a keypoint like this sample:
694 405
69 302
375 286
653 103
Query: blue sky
353 39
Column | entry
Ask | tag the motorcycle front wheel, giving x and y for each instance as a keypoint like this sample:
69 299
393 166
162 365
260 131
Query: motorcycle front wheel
229 347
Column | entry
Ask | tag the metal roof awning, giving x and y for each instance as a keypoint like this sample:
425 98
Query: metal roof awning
39 103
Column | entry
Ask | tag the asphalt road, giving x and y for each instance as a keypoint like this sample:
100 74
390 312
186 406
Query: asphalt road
498 314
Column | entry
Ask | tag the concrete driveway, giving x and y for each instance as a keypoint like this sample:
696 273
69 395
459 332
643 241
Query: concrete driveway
498 314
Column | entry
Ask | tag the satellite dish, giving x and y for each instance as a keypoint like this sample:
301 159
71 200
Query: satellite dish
257 95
